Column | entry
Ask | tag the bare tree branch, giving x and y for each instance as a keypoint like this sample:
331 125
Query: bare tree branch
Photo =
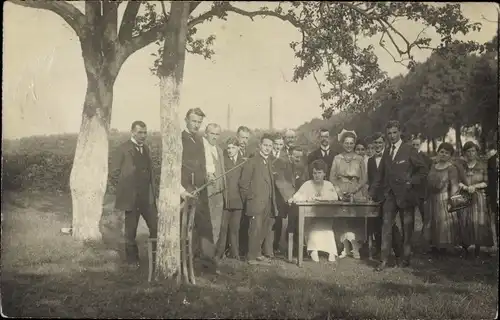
65 10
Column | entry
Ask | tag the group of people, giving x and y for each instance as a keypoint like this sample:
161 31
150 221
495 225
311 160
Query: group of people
244 197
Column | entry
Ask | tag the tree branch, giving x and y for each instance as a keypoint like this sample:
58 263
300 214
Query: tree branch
65 10
128 20
93 13
110 20
143 39
251 14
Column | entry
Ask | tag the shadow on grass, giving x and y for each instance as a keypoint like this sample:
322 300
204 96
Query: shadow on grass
46 274
236 294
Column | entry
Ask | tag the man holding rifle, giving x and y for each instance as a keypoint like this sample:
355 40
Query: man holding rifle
194 176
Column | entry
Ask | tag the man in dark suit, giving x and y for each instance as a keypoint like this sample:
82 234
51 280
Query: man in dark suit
278 149
492 188
421 190
233 204
242 135
290 138
373 166
135 192
257 191
193 176
300 175
323 152
401 170
283 176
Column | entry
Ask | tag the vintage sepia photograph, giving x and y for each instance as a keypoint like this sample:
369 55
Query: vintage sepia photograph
250 160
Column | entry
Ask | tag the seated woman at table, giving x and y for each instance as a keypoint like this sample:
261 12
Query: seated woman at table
348 175
319 231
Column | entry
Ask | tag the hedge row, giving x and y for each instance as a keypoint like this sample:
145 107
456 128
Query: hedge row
44 163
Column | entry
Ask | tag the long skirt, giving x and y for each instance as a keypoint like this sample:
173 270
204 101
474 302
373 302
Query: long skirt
475 222
320 235
444 225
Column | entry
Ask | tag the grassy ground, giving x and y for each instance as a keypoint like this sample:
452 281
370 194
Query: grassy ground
45 274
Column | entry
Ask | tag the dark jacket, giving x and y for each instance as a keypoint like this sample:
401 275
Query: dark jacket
373 172
193 162
284 182
123 166
492 189
401 176
232 195
317 154
257 187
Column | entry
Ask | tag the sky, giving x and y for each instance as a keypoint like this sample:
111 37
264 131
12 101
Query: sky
44 79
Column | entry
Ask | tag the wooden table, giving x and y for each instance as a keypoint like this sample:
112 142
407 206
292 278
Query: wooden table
331 209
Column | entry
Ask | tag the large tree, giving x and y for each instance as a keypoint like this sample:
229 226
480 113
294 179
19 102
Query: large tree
330 45
105 47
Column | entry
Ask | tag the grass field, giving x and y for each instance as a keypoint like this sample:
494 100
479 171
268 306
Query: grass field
46 274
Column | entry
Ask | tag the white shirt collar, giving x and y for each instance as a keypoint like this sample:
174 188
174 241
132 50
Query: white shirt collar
263 156
379 154
135 142
324 149
398 144
208 145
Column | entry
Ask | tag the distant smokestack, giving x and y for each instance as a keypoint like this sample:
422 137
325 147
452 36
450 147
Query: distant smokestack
270 113
228 117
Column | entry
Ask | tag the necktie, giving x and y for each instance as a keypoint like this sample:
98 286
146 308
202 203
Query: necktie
139 148
392 151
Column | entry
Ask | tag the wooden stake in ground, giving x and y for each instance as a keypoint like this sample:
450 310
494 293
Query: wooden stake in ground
168 260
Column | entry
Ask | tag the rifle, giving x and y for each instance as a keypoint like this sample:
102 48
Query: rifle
198 190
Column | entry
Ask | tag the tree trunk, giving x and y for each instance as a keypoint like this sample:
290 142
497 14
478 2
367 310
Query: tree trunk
434 145
89 174
428 146
171 72
458 138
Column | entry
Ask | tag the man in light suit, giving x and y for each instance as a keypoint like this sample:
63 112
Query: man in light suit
214 161
135 191
258 193
401 171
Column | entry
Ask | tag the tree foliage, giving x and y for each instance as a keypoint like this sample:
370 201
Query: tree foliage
452 89
330 50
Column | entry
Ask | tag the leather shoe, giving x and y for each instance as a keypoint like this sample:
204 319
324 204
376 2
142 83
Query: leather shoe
382 266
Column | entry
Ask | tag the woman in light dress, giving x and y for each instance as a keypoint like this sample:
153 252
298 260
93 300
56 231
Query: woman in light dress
348 175
442 182
319 231
475 220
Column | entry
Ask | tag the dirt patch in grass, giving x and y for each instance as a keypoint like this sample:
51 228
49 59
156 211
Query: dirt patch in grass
46 274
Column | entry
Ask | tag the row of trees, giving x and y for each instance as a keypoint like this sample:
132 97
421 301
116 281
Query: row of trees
451 89
329 45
